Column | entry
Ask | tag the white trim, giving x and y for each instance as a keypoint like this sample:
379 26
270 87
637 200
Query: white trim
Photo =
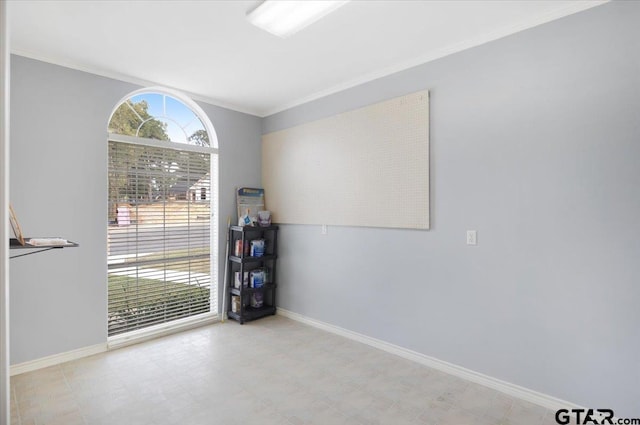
573 7
66 63
113 343
5 397
163 329
164 144
56 359
533 21
508 388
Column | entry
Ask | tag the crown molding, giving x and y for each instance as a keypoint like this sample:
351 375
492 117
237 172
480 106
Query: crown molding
64 62
533 21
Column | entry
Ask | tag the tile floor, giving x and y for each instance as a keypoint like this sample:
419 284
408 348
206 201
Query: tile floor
274 371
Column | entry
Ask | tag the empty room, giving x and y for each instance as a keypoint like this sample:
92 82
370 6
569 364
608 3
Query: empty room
320 212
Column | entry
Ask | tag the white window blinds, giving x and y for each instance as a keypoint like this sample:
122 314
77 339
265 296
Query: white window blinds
159 247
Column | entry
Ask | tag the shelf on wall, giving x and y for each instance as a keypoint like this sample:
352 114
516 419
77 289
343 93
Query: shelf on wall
34 249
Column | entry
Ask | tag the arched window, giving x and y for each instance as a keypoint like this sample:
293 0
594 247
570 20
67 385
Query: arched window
163 198
159 116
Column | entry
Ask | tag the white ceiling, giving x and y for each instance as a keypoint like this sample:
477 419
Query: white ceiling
210 51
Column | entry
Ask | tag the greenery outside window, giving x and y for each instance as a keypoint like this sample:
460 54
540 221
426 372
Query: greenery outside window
162 256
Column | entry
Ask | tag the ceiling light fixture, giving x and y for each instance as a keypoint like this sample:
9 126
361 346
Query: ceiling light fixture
284 18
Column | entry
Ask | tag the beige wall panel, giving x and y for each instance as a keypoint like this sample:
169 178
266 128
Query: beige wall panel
366 167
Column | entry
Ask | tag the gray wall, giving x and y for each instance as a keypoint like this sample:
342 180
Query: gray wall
535 141
59 188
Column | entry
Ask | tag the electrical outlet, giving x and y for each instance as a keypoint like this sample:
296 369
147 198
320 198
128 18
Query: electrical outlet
472 237
324 229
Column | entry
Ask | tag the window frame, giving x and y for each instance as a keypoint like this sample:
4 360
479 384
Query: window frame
213 199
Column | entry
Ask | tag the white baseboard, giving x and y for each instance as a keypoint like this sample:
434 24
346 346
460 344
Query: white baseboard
508 388
55 359
113 343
